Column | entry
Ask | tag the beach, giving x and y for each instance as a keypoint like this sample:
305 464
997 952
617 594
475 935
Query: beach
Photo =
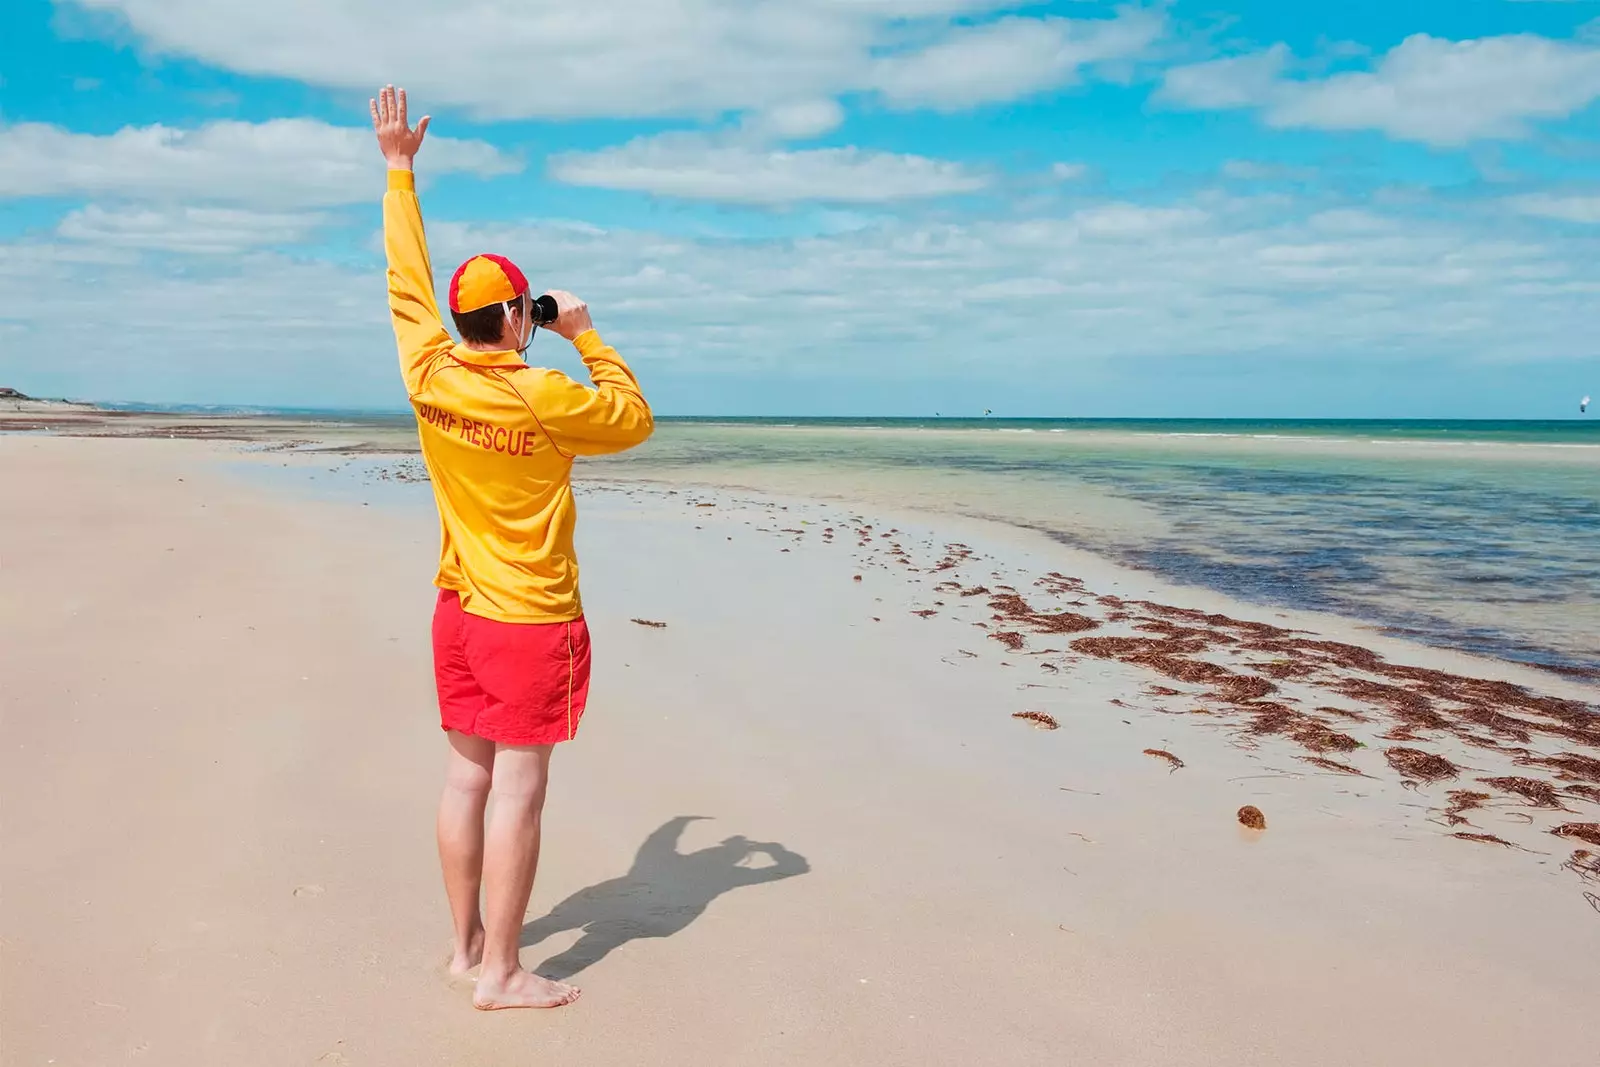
802 822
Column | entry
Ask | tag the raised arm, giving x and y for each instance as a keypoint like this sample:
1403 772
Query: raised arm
413 308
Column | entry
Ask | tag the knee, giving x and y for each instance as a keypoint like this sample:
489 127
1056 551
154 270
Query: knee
469 782
520 791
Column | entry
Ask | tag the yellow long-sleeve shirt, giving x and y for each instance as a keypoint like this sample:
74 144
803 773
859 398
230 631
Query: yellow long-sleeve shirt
498 438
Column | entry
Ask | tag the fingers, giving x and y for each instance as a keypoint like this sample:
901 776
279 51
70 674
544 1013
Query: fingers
389 108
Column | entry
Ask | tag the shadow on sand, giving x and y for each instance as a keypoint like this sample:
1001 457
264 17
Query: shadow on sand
664 892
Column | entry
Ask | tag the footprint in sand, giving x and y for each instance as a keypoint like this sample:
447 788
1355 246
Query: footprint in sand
308 890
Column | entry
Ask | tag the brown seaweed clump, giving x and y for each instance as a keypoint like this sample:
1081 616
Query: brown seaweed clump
1419 767
1318 738
1569 766
1584 864
1011 639
1011 608
1251 816
1161 753
1282 669
1587 792
1331 765
1059 584
1539 794
1485 839
1463 800
1241 688
1039 719
1583 831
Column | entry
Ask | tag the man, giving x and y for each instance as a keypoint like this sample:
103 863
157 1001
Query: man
510 649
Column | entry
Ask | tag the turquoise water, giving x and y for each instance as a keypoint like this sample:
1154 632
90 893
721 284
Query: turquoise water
1543 431
1479 536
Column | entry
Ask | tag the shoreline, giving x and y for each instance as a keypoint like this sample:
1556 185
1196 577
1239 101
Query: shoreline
1021 532
1004 534
231 755
32 414
394 438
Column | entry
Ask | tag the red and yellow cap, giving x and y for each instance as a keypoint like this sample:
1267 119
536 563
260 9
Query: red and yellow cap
484 280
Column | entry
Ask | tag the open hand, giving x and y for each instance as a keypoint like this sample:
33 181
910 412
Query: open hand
397 140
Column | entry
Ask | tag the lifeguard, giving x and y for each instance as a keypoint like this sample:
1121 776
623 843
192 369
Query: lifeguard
510 648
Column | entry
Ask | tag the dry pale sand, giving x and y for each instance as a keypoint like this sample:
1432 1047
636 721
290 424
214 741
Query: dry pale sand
787 833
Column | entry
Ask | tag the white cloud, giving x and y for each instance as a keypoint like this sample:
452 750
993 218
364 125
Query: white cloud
1426 89
1011 58
1251 170
1069 172
698 167
1133 220
636 58
259 328
1236 81
800 120
1287 281
284 162
192 230
1568 208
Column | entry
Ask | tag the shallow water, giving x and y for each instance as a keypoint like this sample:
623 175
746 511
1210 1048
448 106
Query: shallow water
1483 537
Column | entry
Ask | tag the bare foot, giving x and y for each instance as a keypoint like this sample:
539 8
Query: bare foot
522 990
463 962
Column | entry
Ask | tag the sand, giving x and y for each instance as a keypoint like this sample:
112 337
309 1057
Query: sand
787 833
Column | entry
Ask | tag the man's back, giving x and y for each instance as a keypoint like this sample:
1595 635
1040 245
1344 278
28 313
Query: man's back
498 438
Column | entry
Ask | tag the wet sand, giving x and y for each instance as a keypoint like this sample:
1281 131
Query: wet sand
803 821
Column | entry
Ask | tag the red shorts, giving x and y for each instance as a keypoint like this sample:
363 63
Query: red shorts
509 682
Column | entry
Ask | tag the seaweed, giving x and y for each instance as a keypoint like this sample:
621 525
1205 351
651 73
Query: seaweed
1583 831
1161 753
1419 767
1539 794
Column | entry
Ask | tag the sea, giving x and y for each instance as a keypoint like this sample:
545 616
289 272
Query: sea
1474 535
1478 536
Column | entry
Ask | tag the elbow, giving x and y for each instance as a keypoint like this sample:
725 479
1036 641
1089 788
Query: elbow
638 429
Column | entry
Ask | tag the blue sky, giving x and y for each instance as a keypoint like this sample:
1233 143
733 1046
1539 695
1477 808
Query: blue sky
826 206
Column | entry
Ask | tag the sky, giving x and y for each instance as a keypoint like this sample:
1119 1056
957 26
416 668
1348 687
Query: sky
1243 208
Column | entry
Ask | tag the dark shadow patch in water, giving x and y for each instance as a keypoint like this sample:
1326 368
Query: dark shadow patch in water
1308 580
1295 578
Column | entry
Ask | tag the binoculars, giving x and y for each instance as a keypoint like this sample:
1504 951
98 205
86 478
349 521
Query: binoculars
543 310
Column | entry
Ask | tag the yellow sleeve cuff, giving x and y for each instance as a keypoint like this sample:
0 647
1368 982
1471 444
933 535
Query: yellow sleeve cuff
588 342
403 180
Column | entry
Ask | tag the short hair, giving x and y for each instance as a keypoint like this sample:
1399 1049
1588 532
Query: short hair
480 327
484 325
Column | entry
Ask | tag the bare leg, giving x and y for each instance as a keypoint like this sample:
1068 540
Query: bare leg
511 857
466 791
